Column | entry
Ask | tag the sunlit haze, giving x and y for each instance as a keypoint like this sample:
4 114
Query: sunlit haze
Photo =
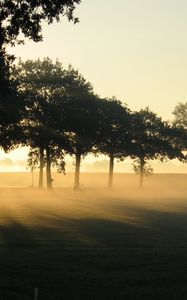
95 206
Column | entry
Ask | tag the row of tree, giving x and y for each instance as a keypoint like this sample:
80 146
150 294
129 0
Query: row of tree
55 112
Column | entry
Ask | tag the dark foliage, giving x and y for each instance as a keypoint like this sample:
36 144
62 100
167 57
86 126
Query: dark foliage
11 104
26 17
154 139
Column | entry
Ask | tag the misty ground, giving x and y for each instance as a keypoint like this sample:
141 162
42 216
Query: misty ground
94 244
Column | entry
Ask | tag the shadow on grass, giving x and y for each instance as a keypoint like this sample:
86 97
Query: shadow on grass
96 258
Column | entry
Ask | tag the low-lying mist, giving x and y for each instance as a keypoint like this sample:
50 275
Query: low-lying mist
125 201
76 243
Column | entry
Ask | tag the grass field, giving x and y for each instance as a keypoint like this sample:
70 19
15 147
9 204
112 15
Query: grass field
95 244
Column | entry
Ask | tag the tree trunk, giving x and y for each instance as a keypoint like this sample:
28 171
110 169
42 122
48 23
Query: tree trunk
111 169
41 168
77 170
142 163
48 169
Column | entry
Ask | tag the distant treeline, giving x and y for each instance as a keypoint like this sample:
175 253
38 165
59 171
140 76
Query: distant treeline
55 112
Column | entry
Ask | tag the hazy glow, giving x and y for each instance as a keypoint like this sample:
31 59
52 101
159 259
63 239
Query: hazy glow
128 205
16 161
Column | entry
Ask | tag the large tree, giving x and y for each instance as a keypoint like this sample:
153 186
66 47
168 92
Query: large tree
77 107
22 18
83 128
39 82
114 134
11 105
154 139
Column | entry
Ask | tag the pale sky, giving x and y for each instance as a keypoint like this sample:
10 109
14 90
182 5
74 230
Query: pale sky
135 50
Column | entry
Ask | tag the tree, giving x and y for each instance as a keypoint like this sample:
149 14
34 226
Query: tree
180 121
11 105
39 82
180 114
56 159
142 168
23 17
83 115
114 135
78 117
154 139
26 17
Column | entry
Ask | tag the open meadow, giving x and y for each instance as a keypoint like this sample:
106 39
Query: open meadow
124 243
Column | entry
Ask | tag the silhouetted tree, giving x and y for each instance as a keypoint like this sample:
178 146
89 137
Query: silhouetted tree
83 114
26 17
180 114
141 167
114 136
180 121
39 81
154 139
78 107
11 105
23 17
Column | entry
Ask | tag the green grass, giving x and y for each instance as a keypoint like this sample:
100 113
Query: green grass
93 245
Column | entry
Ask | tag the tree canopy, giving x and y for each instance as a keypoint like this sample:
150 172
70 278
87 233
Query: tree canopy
39 82
77 109
11 104
154 139
114 134
26 16
180 115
